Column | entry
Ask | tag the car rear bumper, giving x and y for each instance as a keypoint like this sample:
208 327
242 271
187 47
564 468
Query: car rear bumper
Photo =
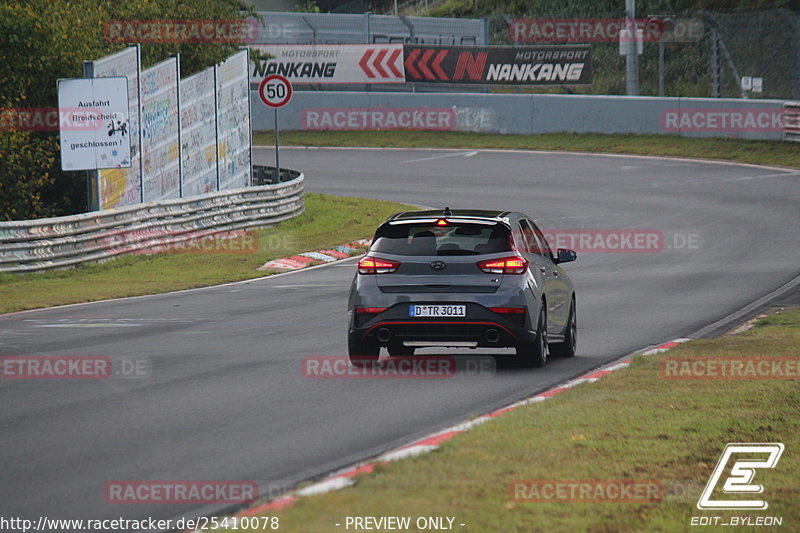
480 328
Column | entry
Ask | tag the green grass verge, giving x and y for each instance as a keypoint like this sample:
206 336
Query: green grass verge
632 424
327 221
785 154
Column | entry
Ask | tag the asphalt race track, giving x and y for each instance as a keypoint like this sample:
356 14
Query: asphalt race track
226 399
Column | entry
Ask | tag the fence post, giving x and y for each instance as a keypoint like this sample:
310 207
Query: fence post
632 50
716 89
250 111
180 125
216 123
795 22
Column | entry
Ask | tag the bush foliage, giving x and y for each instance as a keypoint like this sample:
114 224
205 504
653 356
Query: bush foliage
42 41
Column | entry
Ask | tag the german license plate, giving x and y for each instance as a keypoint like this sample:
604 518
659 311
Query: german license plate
438 310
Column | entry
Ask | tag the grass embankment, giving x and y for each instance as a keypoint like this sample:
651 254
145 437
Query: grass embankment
760 152
327 221
633 424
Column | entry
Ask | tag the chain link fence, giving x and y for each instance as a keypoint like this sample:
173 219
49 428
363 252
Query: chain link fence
318 28
701 54
684 54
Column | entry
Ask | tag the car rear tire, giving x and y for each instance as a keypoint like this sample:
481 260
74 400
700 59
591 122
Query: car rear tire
363 352
535 353
570 344
398 350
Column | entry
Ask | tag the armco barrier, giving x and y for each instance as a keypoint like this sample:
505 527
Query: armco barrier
526 113
791 121
48 243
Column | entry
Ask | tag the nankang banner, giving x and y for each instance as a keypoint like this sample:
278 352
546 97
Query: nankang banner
330 63
500 65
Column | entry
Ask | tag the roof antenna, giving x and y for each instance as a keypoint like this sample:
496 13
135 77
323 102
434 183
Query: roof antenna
447 212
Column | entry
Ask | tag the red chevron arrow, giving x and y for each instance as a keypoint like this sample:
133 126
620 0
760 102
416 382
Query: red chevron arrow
365 61
393 62
377 63
437 65
423 65
409 63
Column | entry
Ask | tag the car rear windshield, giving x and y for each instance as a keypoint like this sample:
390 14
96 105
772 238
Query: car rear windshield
456 238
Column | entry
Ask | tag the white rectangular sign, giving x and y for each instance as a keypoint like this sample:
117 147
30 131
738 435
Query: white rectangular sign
94 125
331 63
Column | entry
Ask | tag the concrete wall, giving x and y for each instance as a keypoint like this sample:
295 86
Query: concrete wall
515 113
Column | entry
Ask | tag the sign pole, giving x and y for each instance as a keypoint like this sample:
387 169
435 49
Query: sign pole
632 55
277 149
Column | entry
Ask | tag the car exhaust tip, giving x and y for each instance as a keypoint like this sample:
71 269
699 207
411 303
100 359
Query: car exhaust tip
492 335
384 334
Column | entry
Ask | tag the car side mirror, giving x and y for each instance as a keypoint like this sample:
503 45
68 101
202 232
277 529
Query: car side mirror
565 256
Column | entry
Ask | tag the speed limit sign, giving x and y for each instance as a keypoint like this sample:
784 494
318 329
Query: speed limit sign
275 90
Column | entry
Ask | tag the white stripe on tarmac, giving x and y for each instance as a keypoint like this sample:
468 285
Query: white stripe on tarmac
441 156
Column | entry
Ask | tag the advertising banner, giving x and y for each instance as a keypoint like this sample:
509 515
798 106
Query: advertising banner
198 133
233 122
332 63
119 187
501 65
100 108
161 164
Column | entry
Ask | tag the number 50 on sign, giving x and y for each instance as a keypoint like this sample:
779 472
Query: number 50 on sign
275 91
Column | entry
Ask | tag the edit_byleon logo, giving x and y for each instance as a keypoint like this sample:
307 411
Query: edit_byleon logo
739 482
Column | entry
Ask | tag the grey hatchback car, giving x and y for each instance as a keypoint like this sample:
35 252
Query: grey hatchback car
462 278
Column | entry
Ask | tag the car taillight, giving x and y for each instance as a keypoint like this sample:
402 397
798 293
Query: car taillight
508 310
375 265
370 310
505 265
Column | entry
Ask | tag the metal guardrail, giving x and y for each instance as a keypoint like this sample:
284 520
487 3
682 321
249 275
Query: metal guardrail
791 121
266 175
50 243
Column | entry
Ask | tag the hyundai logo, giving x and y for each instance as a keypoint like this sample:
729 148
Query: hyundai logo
438 265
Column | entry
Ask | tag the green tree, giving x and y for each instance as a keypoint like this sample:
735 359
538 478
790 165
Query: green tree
42 41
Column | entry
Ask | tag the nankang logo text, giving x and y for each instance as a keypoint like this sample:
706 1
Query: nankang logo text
296 69
535 72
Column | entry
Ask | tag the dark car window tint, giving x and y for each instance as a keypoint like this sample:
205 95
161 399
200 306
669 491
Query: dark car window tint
545 245
533 245
453 239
